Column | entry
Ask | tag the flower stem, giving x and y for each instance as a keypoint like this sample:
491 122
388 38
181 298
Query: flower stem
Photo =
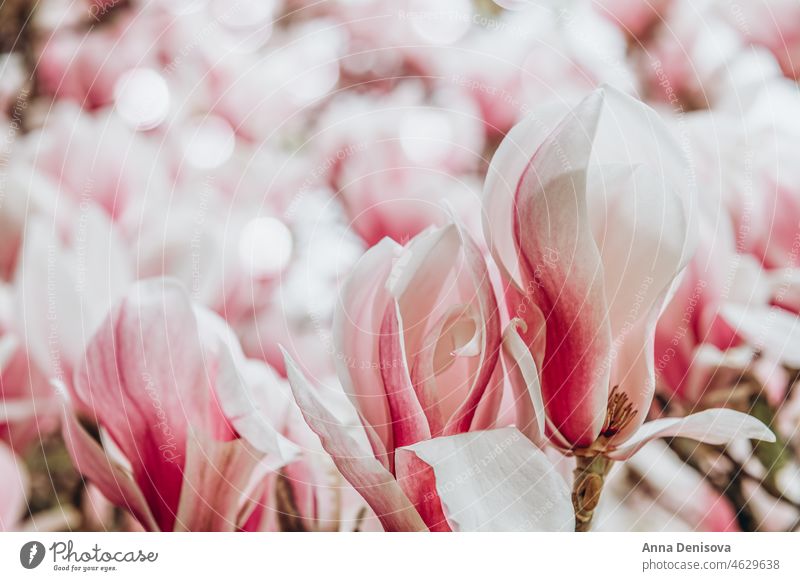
590 475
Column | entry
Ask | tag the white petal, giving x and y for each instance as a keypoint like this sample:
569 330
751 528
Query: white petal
524 378
497 480
715 426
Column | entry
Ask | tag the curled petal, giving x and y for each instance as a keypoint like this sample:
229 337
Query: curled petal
143 376
357 323
524 378
715 426
409 423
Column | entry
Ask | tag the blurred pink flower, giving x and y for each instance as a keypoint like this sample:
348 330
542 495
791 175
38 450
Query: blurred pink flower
168 430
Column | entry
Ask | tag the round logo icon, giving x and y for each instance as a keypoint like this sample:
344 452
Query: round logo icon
31 554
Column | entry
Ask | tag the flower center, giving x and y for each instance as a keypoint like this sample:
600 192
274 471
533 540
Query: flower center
620 413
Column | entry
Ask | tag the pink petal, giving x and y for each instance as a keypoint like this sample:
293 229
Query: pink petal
499 191
367 475
644 240
715 426
144 376
481 295
418 281
418 481
409 424
563 271
116 485
526 388
215 484
497 480
357 325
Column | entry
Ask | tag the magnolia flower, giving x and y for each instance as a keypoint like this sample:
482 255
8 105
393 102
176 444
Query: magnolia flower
417 338
589 252
170 432
422 360
484 480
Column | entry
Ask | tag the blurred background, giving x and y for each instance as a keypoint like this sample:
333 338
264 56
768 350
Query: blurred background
254 149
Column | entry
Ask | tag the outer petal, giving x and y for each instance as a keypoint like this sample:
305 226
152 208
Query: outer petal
481 294
357 325
643 238
144 375
367 475
418 481
715 426
409 423
499 190
497 480
526 388
561 266
644 242
113 481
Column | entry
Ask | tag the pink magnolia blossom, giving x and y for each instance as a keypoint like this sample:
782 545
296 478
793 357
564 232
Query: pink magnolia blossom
417 338
483 480
163 424
590 252
422 361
